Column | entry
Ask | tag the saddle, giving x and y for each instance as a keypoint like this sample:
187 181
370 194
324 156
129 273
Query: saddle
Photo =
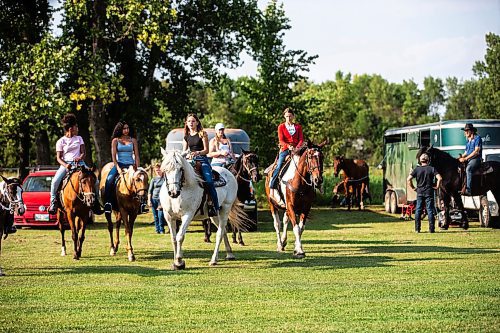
62 186
219 181
478 176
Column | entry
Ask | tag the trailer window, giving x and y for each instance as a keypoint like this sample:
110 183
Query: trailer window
393 138
425 138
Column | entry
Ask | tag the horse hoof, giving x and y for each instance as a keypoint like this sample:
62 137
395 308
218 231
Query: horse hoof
299 255
63 253
179 267
213 263
230 258
207 240
131 257
465 226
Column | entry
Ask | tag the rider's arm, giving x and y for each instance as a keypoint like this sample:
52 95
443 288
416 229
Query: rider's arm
212 151
114 148
281 136
301 135
82 153
136 153
59 157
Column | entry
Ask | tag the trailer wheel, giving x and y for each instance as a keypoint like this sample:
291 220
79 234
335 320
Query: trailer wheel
387 201
484 212
393 203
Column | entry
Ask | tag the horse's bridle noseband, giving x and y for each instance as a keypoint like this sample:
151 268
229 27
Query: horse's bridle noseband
180 183
13 202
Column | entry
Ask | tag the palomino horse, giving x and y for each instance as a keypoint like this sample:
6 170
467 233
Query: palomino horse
11 201
246 171
182 197
356 174
131 192
298 184
77 198
485 179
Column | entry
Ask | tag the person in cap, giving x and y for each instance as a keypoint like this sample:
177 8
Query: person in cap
220 148
425 174
472 154
290 136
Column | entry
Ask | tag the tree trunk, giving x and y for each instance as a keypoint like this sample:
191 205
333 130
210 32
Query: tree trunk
43 151
83 131
24 148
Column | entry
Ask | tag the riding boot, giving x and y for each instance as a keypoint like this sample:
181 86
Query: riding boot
53 207
96 208
108 207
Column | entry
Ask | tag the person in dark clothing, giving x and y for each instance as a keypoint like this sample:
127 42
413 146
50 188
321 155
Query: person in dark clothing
154 200
425 175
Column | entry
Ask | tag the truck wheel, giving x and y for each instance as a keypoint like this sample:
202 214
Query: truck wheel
394 203
387 201
484 212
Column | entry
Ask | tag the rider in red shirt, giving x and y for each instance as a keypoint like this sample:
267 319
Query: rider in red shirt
290 136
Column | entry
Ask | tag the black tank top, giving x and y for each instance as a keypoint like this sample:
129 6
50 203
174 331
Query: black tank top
195 143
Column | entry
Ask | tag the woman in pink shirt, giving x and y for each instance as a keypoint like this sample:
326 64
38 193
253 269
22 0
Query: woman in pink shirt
70 150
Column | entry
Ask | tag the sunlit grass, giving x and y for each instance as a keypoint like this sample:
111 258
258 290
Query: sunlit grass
364 272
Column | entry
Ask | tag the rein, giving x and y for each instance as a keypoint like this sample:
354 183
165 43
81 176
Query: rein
136 192
180 183
244 167
12 202
82 199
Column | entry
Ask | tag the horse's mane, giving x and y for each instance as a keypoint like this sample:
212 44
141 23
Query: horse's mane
173 160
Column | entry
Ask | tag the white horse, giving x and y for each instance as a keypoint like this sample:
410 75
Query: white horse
181 199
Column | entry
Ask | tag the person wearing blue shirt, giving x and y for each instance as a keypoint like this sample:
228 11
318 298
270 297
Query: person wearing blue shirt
472 155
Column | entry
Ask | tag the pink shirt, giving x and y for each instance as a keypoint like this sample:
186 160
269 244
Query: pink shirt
70 147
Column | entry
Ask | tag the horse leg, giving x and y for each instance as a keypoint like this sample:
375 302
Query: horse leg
118 224
112 249
172 225
74 233
298 252
61 230
221 235
233 231
179 262
284 233
361 196
460 204
206 230
82 224
277 222
445 207
240 237
128 221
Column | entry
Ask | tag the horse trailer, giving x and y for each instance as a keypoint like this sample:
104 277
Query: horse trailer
402 144
239 141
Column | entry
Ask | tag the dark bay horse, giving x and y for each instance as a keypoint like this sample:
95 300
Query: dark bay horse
246 171
485 179
356 174
298 184
131 190
77 198
11 201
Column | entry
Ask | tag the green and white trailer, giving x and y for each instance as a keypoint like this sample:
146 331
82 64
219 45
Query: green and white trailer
402 144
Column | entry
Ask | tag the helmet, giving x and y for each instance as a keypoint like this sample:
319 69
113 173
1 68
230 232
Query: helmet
219 126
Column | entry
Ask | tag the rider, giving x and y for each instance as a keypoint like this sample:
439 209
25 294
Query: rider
472 154
195 145
221 149
70 149
125 153
290 136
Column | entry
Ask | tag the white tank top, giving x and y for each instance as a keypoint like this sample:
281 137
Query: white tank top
223 147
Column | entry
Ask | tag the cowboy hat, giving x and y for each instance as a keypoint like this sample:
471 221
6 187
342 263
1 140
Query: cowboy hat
469 127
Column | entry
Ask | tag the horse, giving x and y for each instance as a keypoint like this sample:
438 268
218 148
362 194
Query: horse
484 179
182 197
299 182
11 201
131 191
356 174
77 197
246 171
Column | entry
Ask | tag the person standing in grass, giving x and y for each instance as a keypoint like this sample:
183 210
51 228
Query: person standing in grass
154 199
425 174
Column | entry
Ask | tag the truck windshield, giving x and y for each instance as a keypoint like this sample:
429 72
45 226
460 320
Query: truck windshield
493 157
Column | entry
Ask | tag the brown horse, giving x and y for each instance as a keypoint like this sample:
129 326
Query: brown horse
356 174
303 176
131 191
77 198
11 201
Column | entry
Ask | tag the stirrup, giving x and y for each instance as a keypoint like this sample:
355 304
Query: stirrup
52 208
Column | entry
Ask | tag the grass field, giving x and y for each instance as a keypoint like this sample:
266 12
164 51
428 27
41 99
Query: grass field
364 272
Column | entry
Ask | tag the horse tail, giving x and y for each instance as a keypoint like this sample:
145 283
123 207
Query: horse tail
238 218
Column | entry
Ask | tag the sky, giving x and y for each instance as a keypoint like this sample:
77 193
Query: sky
398 39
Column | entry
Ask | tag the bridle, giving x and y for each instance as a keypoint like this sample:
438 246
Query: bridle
133 188
13 203
310 168
83 194
180 183
244 167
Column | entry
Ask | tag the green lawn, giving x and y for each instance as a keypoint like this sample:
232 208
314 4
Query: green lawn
364 272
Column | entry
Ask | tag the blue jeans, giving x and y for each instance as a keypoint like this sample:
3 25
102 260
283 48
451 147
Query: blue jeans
110 182
472 166
429 206
206 172
158 216
58 177
281 160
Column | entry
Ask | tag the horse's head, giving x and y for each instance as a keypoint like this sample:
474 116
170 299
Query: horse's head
173 172
12 191
137 181
338 164
86 180
314 161
250 162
